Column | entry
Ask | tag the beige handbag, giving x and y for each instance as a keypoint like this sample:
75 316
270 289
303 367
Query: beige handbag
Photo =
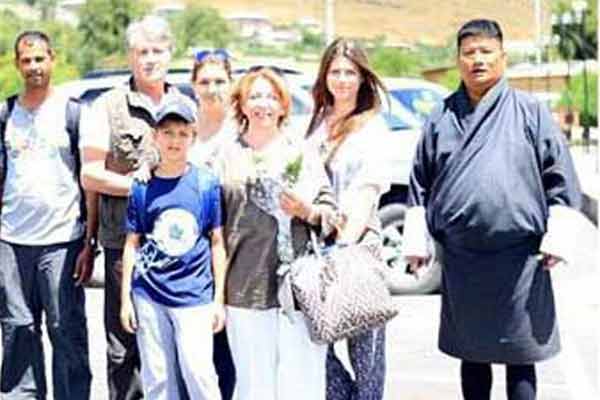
341 290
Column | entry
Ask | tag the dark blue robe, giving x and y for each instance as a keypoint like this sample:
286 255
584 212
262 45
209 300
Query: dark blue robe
487 176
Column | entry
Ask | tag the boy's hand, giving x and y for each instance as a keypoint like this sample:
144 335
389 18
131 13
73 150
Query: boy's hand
415 264
219 318
143 173
128 320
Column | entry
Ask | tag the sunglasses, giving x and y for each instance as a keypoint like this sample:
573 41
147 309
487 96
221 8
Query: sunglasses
219 54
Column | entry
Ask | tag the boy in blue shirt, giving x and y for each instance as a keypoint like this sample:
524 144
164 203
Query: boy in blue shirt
174 266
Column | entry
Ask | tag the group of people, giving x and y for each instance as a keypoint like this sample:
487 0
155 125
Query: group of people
193 280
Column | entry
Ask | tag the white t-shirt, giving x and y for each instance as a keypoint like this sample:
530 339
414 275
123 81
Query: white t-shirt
203 152
363 159
41 199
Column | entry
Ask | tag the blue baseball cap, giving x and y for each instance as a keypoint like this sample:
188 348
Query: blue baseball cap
176 109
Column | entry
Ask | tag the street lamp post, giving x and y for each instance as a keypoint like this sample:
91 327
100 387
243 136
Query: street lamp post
580 8
537 10
329 21
576 18
597 109
562 22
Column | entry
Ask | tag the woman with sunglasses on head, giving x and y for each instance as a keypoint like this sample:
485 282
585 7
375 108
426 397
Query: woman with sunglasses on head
269 210
352 137
211 79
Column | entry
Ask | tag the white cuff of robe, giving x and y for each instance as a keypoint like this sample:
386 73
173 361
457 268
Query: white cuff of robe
559 239
416 236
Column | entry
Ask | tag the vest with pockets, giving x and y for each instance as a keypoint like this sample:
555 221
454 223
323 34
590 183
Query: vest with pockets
131 144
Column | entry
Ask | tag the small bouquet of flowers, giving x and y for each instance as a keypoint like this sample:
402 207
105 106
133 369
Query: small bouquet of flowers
265 191
291 173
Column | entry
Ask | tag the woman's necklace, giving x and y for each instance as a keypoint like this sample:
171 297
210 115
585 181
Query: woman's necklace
332 137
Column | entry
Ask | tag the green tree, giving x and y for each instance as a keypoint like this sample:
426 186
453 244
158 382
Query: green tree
62 37
434 56
47 8
102 24
451 79
11 81
576 97
200 26
310 46
312 41
576 41
391 62
11 26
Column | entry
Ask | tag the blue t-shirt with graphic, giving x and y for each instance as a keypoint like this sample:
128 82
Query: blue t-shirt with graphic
175 217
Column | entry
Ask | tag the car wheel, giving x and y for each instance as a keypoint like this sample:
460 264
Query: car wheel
400 280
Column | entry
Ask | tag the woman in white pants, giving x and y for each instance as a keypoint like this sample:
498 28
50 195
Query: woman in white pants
272 352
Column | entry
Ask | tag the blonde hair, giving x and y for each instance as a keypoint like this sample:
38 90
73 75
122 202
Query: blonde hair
240 95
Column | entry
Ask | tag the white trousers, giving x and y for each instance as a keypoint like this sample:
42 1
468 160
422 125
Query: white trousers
176 337
274 358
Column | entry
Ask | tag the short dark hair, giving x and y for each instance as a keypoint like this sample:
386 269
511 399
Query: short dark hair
34 36
174 118
479 27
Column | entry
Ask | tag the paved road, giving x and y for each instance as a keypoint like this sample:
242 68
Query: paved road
418 371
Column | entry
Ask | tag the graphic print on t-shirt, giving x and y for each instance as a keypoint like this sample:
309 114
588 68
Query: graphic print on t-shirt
175 233
26 146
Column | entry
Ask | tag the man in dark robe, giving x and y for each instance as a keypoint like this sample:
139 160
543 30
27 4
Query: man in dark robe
493 185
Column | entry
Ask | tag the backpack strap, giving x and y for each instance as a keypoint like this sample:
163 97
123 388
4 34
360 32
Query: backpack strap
73 118
5 112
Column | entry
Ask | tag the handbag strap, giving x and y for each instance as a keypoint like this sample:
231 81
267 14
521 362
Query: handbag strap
315 244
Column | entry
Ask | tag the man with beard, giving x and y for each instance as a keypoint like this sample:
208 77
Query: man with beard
43 255
493 183
116 139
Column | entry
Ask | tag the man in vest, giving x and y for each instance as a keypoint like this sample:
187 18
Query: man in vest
43 254
116 138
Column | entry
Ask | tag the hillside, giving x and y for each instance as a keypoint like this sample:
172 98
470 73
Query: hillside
401 21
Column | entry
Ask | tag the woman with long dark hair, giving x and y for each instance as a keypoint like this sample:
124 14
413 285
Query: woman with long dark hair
352 138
